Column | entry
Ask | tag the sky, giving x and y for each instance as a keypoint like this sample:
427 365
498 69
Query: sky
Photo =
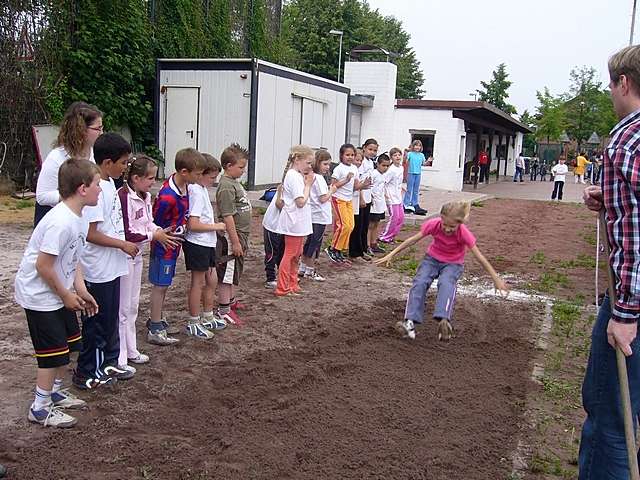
460 42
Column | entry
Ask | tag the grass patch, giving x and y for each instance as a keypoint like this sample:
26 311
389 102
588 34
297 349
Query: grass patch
590 238
538 258
478 204
564 316
560 390
581 261
550 281
499 258
550 465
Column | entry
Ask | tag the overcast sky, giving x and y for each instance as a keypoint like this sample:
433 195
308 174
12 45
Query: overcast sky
460 42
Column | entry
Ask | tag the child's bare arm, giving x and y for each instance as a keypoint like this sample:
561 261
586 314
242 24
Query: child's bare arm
236 247
327 196
99 238
195 225
279 201
500 284
404 245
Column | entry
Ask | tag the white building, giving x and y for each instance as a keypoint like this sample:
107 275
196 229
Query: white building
451 131
208 104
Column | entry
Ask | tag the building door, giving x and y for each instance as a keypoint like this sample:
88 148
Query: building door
181 122
312 123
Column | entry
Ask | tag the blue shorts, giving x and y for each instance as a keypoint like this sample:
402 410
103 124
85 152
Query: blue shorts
161 271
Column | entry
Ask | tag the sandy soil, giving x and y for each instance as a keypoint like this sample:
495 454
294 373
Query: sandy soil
320 386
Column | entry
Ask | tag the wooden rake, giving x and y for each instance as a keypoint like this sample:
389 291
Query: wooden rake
623 377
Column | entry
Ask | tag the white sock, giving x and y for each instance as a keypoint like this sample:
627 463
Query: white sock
207 314
194 320
57 385
42 399
310 270
302 268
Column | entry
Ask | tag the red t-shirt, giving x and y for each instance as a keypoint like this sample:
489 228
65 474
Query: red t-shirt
483 158
447 248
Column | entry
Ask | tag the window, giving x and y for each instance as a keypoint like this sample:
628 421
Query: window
427 137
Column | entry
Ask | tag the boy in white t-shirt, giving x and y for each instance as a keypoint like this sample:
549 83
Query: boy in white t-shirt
378 202
43 287
103 263
558 171
200 253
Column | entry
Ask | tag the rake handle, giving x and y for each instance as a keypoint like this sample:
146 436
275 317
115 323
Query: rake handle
623 377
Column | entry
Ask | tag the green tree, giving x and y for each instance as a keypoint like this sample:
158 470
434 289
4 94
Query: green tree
495 90
550 116
106 58
588 107
529 141
305 29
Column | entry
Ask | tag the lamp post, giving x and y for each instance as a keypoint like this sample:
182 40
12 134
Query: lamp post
579 135
340 33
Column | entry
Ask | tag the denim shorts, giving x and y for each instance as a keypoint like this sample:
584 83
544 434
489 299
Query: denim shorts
161 271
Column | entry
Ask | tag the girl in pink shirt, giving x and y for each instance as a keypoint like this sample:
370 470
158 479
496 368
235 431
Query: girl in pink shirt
445 261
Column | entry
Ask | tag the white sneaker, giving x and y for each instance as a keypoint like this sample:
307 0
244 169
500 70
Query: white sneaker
198 330
66 399
408 328
313 275
272 284
128 368
51 416
160 338
140 359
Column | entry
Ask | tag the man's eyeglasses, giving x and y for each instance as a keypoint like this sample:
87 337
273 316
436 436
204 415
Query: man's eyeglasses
97 129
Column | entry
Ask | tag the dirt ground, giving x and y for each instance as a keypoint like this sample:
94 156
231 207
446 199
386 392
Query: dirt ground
320 386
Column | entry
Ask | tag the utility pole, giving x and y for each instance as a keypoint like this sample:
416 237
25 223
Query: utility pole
633 22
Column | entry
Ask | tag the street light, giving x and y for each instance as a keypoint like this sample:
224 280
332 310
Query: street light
340 33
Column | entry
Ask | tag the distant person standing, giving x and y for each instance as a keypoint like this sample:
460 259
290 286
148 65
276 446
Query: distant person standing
542 170
483 162
558 171
519 168
602 447
581 164
533 169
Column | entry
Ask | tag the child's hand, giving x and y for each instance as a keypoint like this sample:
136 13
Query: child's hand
130 249
386 260
349 177
219 227
167 239
90 305
362 203
236 249
366 184
501 287
73 301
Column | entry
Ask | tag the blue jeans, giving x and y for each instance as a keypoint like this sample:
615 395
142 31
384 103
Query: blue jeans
518 173
447 275
603 453
413 189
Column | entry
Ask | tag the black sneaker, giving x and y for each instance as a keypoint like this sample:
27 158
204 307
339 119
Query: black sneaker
91 383
420 211
332 254
119 373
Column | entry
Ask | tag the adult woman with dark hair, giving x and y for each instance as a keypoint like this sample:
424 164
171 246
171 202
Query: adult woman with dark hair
81 126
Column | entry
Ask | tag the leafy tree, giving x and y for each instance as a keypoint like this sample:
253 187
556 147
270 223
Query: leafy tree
105 58
588 107
495 90
528 142
305 29
550 116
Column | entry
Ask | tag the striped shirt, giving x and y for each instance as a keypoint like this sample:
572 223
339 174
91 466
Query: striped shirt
169 211
621 193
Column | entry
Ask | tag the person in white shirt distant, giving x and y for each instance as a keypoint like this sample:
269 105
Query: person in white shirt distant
558 171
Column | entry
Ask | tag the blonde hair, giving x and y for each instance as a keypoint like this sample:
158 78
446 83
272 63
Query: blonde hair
458 211
297 152
626 62
74 125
